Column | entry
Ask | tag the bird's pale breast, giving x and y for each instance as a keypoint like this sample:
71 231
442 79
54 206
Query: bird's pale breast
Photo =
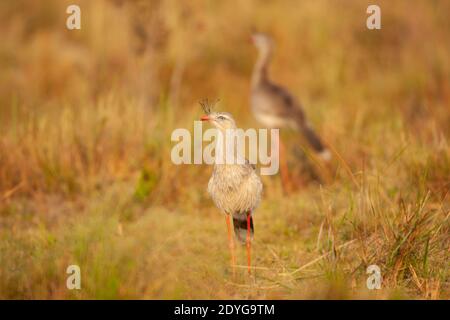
235 189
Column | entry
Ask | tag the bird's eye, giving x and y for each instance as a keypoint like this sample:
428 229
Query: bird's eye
221 117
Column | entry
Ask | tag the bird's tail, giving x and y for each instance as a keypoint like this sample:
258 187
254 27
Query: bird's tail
315 142
240 227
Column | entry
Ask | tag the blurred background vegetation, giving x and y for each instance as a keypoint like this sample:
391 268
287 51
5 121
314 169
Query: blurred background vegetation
85 171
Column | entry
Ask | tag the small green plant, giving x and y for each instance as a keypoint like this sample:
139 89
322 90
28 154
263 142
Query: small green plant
146 183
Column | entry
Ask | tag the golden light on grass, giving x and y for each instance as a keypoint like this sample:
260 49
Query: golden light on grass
85 171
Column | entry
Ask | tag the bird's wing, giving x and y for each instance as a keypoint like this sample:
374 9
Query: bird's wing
282 103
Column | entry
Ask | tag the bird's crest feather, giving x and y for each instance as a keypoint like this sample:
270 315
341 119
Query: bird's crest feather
207 105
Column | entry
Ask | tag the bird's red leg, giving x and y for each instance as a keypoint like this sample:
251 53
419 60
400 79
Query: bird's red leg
231 244
249 256
285 179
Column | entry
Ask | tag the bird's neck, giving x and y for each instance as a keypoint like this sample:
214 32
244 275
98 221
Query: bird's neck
226 148
260 70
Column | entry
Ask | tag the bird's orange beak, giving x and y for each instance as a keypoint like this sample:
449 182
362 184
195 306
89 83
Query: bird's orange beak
204 118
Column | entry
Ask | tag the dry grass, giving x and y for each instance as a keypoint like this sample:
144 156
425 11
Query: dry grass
85 171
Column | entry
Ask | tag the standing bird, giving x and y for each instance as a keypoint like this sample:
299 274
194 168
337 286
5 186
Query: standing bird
274 107
235 188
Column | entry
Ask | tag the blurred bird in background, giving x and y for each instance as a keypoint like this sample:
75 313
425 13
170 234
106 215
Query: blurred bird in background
274 106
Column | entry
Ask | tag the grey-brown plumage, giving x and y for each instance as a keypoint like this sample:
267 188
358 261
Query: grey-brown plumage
235 188
272 105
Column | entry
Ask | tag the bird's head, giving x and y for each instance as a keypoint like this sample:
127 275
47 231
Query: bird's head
262 41
221 120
